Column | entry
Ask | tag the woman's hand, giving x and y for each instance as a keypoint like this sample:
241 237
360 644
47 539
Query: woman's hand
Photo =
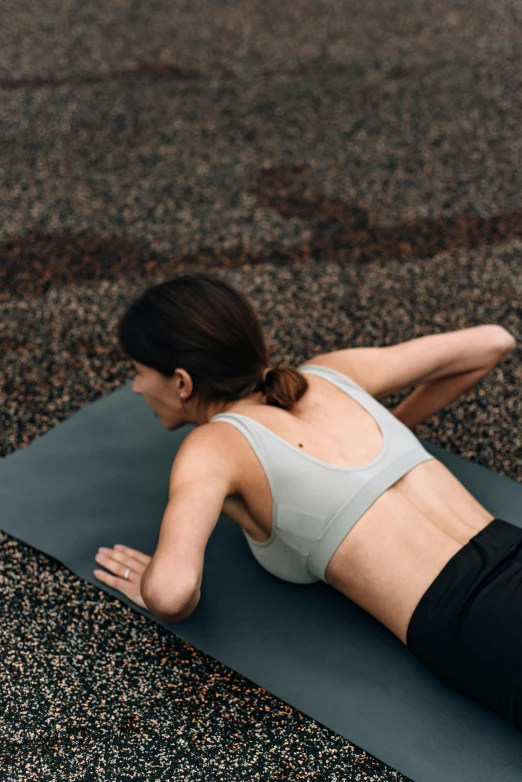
117 560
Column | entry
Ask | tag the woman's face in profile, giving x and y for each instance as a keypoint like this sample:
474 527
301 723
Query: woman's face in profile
164 397
160 394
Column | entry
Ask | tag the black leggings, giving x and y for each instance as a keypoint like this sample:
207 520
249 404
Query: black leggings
467 627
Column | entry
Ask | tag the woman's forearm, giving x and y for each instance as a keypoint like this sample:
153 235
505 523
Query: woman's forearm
428 398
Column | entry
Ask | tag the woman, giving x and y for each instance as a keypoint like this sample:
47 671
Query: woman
326 483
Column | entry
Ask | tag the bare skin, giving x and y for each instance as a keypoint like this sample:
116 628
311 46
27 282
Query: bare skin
401 543
396 549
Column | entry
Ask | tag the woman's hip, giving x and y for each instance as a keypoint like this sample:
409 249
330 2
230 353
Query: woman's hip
467 627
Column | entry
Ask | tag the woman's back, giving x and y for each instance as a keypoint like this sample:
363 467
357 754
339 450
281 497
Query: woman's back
401 541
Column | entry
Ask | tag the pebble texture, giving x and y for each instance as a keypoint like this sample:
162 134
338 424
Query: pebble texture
355 170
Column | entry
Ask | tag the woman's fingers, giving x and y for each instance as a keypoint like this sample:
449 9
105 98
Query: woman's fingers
132 552
119 565
128 587
109 579
118 561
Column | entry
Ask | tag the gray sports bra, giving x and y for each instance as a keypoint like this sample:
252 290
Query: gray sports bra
315 504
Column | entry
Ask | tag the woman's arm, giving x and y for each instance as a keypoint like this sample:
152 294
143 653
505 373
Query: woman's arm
429 398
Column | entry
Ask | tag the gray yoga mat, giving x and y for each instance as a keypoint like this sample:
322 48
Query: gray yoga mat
101 478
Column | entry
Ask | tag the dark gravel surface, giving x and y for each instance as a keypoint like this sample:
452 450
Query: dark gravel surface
355 169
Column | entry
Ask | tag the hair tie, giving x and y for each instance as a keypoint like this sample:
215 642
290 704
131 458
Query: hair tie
265 373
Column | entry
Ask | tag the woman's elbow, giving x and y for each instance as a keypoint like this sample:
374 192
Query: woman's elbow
173 611
506 341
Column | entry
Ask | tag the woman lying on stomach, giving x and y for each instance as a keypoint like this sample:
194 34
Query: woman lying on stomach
326 483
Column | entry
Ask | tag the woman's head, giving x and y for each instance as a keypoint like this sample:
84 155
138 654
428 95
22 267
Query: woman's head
198 346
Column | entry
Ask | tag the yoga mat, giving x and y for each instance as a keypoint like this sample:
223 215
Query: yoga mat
101 478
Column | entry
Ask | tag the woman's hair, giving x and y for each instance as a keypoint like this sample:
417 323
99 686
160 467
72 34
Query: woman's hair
200 323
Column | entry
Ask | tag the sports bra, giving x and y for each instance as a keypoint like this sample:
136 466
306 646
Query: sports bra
315 504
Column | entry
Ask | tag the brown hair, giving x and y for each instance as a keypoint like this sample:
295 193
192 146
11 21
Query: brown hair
202 324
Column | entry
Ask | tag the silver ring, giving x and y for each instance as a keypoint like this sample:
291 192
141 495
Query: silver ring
127 572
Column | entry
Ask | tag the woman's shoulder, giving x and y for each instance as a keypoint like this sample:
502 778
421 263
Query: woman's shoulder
339 361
